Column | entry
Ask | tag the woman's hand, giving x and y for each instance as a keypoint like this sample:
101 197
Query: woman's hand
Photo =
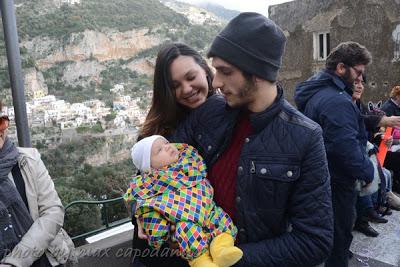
141 233
172 244
388 142
391 121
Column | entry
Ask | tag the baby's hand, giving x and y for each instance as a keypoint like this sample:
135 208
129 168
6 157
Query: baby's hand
141 233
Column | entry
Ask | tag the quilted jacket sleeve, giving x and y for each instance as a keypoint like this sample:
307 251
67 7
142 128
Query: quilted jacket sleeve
343 147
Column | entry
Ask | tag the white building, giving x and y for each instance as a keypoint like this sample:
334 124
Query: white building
117 89
43 100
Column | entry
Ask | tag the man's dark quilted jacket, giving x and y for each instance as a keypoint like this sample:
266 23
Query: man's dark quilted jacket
283 204
326 99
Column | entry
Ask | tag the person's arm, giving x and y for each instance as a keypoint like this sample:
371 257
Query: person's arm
341 135
185 133
391 121
45 228
372 121
310 214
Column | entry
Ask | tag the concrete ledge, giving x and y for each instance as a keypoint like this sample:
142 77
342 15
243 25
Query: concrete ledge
114 250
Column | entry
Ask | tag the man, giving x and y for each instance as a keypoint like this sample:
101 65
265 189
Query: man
266 160
326 99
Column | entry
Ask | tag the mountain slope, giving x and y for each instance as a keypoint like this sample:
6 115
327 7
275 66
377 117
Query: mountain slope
219 10
121 15
80 51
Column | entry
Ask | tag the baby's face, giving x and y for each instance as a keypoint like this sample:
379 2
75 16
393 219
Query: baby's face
163 153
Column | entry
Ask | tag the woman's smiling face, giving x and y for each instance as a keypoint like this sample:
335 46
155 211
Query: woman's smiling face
189 81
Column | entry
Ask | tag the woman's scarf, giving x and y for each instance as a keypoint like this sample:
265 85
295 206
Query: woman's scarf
15 219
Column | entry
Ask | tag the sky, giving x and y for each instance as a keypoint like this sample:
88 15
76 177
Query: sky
260 6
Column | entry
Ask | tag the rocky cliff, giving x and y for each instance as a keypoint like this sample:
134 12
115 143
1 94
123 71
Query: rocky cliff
78 50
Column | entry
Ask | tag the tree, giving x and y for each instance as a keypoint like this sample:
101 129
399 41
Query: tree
79 218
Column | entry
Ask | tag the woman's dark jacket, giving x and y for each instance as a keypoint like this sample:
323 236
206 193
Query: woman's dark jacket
390 108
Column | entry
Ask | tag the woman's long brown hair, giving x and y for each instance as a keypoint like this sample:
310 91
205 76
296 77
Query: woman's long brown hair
165 112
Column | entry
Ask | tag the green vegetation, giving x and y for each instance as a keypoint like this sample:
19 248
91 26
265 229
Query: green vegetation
135 84
76 180
79 219
68 158
116 74
43 18
121 15
73 177
53 77
200 36
97 128
111 116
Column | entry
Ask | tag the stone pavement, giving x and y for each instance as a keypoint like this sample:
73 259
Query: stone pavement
381 251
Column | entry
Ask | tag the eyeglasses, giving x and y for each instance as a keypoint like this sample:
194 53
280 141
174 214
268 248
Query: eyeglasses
358 72
4 122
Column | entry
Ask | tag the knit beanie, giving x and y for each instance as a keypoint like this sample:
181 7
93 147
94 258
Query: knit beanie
252 43
141 152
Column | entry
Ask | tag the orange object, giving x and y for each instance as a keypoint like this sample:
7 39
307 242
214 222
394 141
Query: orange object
383 149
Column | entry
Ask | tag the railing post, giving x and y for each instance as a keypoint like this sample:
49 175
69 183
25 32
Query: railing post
105 214
15 71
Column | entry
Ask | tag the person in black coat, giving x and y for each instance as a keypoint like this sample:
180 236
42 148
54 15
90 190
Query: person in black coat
392 106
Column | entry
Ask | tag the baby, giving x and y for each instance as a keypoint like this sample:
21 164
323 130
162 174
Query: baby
173 189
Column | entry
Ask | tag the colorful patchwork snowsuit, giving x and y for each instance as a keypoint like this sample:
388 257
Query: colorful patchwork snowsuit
179 194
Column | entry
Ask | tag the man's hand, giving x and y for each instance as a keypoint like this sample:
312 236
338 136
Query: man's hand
141 233
391 121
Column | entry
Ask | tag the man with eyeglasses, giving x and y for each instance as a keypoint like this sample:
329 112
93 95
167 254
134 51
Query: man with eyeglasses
326 99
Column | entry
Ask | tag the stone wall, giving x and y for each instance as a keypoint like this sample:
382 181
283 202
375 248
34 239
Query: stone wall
375 24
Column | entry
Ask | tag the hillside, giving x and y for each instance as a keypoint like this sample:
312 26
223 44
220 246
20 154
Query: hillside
219 10
80 51
95 15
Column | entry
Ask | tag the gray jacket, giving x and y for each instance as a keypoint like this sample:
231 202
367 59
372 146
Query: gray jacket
47 212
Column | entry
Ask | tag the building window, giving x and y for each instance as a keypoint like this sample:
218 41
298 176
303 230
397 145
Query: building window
321 45
397 47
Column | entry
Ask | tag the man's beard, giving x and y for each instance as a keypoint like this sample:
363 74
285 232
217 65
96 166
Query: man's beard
348 79
248 89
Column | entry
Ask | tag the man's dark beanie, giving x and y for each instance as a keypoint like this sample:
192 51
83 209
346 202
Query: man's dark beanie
252 43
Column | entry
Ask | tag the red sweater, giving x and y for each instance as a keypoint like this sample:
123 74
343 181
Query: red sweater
223 174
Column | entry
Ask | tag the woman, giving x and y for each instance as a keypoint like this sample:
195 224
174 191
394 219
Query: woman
392 161
182 82
31 213
392 105
365 201
373 119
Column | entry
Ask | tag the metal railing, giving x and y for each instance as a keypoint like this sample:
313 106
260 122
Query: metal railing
104 211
